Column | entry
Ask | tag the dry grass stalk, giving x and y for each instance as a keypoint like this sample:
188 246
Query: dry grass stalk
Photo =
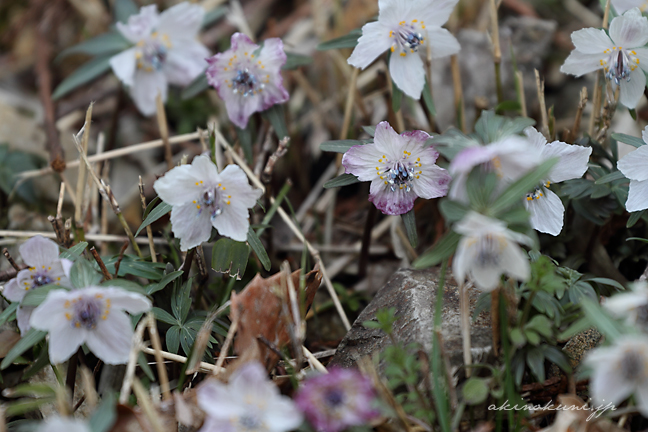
132 362
111 238
204 367
202 339
102 266
146 404
88 382
81 180
464 307
149 231
540 87
519 81
164 130
228 340
574 132
460 108
159 361
298 330
497 50
313 361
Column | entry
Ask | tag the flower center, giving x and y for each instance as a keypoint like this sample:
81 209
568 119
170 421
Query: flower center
41 279
489 250
249 422
213 200
537 194
334 398
399 174
246 83
151 54
85 312
407 37
619 64
633 366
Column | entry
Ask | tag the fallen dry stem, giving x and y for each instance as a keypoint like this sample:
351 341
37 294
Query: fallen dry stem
7 255
164 131
159 362
540 87
132 361
146 404
205 367
102 266
81 180
89 237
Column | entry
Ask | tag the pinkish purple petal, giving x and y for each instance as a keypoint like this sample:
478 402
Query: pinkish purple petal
393 203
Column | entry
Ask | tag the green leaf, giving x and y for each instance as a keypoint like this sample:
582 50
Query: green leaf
195 87
35 297
74 252
535 360
542 325
294 61
509 105
214 15
608 178
9 311
628 139
556 356
124 9
24 406
409 220
82 274
578 327
427 97
33 390
173 339
634 218
442 250
86 73
126 285
514 193
277 118
518 338
532 337
154 215
259 250
164 316
166 280
107 43
369 130
348 41
31 338
600 319
339 146
475 391
341 180
453 211
604 281
229 256
105 415
397 97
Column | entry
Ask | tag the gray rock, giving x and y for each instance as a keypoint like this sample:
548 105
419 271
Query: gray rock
413 293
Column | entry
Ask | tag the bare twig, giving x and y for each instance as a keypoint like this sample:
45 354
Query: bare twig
102 266
460 109
282 149
204 367
164 131
149 231
573 133
543 107
145 403
81 180
121 257
157 346
132 362
7 255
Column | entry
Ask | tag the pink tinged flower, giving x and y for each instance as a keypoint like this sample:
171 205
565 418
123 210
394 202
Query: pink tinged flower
621 6
631 305
621 54
63 424
510 158
399 168
202 198
406 28
94 316
166 52
487 250
546 209
634 166
619 371
45 268
335 401
248 78
249 402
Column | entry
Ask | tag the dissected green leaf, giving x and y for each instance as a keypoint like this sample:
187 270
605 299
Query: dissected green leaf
294 61
86 73
74 252
259 250
409 220
341 180
31 338
229 256
161 210
339 146
82 274
628 139
475 391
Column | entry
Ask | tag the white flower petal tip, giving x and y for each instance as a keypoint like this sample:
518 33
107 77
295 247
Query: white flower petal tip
202 198
250 400
619 371
94 316
408 30
246 81
166 52
634 166
487 250
621 54
63 424
400 169
622 6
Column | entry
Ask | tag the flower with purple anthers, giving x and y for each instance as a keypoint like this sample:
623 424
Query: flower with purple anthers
488 249
248 77
510 158
166 52
621 53
399 167
94 316
63 424
249 402
203 198
45 268
407 28
335 401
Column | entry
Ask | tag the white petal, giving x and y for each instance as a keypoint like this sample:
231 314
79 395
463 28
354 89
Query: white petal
121 299
644 134
475 224
141 25
23 314
362 160
634 165
444 44
572 160
631 91
408 73
620 6
39 252
486 278
608 385
536 139
236 182
547 213
15 289
145 89
579 64
182 21
623 303
64 341
516 262
642 55
183 183
435 13
50 314
433 182
629 30
63 424
282 414
642 398
111 339
124 66
373 42
591 41
637 196
190 225
185 62
461 259
216 399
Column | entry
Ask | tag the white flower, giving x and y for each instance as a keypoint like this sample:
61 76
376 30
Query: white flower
201 198
633 305
63 424
45 268
621 54
634 166
510 158
488 249
405 26
619 371
249 402
621 6
166 52
547 210
94 316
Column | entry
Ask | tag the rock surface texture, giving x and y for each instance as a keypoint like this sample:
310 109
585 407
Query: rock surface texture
412 293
